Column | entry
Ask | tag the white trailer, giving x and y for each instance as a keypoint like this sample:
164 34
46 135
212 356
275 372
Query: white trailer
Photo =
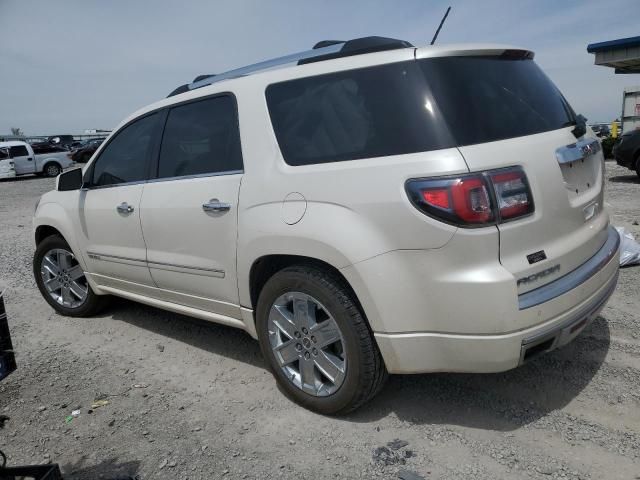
630 109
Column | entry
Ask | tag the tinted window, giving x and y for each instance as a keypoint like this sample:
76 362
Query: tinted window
412 107
369 112
4 153
19 151
484 99
125 158
201 137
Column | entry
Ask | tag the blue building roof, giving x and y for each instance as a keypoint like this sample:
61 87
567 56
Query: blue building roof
611 44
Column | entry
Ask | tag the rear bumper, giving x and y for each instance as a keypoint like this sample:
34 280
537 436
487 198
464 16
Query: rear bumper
563 309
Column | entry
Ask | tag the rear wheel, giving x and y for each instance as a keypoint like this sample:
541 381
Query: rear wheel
52 170
62 281
317 342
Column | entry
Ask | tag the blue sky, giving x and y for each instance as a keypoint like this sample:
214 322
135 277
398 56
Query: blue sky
70 65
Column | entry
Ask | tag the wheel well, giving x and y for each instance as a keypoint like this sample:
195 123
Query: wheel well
265 267
44 231
51 162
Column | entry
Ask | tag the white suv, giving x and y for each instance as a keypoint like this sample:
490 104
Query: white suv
374 208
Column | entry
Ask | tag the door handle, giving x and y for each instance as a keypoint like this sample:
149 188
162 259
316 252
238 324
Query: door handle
124 208
215 205
30 159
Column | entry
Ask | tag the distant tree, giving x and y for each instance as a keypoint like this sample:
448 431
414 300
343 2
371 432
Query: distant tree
17 131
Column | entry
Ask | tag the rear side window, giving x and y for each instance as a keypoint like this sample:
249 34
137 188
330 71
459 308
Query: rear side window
201 137
4 154
19 151
369 112
125 158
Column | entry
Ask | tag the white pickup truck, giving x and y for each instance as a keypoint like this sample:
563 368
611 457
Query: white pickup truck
26 161
7 170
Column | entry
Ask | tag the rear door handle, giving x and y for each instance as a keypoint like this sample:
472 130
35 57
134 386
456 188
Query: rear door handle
124 208
215 205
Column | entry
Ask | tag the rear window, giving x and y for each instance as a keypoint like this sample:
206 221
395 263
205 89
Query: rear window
484 99
411 107
19 151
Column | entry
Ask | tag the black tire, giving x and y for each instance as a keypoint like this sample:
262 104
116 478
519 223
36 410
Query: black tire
638 164
52 169
365 371
92 304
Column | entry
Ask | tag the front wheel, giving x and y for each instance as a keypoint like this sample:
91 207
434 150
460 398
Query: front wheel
317 342
62 281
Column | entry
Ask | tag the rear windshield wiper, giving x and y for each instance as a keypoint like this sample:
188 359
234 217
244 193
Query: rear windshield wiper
580 123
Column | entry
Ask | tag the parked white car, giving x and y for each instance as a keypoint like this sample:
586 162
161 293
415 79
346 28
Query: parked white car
374 208
26 161
7 169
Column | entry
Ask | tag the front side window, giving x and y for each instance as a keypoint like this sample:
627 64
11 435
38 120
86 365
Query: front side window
19 151
125 158
201 137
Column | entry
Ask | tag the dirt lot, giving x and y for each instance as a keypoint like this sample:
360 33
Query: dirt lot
209 409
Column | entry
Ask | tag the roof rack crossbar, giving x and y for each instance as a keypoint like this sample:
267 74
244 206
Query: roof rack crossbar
256 67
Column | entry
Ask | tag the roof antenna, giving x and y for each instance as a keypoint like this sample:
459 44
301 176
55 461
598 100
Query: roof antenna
440 26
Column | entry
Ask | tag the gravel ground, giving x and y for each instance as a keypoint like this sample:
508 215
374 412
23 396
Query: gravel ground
188 399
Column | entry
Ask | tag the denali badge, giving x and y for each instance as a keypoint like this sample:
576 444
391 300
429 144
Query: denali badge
536 276
536 257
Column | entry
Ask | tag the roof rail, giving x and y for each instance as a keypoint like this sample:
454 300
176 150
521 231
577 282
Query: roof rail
275 62
325 50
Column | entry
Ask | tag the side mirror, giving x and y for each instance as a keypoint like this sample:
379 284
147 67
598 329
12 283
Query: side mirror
71 180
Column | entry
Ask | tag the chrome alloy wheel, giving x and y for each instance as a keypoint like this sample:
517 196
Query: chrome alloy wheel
307 344
63 278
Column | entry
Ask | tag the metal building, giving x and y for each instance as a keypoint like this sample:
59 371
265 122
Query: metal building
623 55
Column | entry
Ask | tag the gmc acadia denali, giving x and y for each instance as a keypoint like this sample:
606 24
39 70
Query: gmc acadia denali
362 208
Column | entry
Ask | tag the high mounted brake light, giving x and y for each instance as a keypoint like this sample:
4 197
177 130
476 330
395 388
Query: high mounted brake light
474 200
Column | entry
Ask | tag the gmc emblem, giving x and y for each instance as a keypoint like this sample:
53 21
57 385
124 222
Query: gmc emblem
537 276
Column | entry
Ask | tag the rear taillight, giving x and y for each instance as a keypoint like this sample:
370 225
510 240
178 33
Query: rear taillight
512 192
474 200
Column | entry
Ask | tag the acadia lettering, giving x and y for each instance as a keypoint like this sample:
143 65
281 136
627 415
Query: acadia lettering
537 276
